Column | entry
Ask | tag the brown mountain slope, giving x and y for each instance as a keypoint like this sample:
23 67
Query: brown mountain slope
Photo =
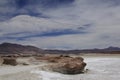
10 48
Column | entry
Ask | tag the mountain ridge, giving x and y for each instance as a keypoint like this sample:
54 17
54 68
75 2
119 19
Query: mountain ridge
12 48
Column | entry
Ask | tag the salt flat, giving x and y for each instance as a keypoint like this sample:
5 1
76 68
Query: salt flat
99 68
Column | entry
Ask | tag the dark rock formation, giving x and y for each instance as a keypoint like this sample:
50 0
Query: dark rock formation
68 68
1 61
10 61
67 65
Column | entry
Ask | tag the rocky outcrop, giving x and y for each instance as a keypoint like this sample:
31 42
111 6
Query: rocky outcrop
68 68
67 65
1 61
10 61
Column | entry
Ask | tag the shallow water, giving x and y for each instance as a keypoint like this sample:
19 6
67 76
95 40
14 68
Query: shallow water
99 68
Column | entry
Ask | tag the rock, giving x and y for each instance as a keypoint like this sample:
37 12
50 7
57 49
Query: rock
53 59
25 64
1 61
68 68
10 61
70 59
68 65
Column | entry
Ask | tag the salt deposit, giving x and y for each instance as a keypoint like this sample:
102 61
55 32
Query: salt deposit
98 68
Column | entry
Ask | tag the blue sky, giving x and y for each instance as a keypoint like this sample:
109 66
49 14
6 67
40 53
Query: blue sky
61 24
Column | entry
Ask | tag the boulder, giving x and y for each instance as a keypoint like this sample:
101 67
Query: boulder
53 59
70 59
57 59
1 61
68 65
10 61
68 68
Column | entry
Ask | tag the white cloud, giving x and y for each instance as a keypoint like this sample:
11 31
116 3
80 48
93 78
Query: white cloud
103 32
25 23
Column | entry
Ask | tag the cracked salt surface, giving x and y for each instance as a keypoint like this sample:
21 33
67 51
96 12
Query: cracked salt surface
99 68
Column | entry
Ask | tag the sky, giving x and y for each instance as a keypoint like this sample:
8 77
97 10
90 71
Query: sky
61 24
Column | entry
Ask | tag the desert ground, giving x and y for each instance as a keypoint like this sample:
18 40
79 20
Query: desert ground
99 67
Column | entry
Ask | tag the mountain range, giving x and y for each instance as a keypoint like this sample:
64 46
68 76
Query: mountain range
11 48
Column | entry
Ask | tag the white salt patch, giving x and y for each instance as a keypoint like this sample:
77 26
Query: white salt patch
100 68
4 70
44 75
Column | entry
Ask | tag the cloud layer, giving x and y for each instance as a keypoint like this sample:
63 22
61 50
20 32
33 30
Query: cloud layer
61 24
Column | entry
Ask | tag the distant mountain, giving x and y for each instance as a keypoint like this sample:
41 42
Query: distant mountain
105 50
111 48
10 48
